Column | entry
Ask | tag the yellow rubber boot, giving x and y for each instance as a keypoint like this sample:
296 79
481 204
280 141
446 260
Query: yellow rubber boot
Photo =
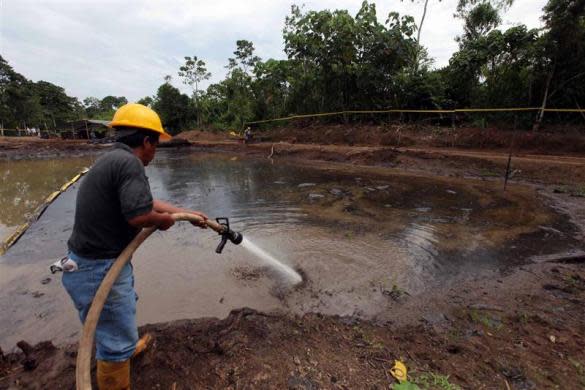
113 375
142 344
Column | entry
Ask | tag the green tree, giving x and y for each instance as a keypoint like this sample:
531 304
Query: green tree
245 57
193 72
564 48
57 107
112 103
174 108
146 101
92 107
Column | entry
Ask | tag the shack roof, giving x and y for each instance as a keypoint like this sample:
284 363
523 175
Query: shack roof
82 124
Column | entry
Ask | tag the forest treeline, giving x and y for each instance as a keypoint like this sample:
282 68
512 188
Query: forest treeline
337 61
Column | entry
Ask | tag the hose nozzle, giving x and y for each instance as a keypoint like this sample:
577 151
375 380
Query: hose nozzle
227 234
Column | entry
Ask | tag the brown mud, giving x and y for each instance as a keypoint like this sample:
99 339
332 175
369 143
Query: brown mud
536 157
17 148
523 330
514 328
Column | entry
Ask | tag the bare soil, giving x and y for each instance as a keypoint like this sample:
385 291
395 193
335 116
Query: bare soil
517 328
34 147
522 330
560 169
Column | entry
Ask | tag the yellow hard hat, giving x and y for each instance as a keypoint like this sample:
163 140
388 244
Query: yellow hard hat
139 116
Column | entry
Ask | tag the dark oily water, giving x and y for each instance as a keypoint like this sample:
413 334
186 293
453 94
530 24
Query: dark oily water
360 241
26 184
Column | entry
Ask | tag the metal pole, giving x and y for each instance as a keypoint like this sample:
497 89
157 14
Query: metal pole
509 165
508 169
453 129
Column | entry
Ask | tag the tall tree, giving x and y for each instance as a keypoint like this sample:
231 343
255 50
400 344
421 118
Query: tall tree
193 72
174 108
420 48
565 51
245 57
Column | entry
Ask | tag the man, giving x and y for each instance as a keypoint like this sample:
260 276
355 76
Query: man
248 135
114 203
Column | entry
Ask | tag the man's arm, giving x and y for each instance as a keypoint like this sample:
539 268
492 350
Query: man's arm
163 221
164 207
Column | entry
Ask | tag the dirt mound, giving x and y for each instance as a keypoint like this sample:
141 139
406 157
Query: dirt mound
544 143
410 135
33 147
199 135
522 330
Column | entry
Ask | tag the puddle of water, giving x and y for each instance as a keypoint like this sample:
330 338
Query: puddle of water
356 243
26 184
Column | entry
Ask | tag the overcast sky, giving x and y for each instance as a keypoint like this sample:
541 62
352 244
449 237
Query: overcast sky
125 48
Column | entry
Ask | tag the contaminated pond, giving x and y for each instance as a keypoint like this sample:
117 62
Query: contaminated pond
360 237
27 183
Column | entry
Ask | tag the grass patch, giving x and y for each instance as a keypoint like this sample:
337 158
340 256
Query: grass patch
489 173
578 190
480 317
433 381
580 370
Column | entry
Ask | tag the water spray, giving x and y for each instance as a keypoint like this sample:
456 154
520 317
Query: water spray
237 238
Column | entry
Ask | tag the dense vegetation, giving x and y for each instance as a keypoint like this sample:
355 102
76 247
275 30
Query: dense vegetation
337 61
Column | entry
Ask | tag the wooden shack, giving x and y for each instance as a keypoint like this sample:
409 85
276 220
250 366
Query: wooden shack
88 129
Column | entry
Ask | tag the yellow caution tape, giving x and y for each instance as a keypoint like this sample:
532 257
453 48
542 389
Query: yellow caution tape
69 183
462 110
52 197
496 109
563 110
13 238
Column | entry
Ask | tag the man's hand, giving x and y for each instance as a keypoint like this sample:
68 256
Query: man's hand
202 223
164 207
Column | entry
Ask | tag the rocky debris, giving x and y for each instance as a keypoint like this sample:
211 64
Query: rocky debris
248 273
314 196
29 363
46 281
304 185
336 192
350 208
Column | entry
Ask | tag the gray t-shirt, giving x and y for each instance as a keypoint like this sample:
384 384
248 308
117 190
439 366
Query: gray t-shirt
114 191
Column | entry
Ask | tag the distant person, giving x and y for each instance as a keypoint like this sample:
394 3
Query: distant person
113 204
248 136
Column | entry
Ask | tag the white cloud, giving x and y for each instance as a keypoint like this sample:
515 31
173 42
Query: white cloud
125 48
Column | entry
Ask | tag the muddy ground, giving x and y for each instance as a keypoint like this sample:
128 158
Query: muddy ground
518 328
522 330
17 148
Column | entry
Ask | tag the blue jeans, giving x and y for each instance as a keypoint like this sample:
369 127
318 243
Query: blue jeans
116 333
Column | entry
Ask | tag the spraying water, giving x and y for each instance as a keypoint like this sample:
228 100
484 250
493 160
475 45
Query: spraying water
290 273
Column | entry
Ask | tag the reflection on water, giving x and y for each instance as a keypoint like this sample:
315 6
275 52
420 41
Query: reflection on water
354 239
26 183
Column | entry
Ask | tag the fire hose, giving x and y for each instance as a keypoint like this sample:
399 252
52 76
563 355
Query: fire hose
83 365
